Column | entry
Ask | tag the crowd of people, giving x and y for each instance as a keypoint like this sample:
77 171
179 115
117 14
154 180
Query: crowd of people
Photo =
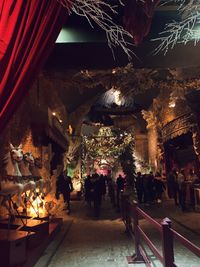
150 188
97 186
177 187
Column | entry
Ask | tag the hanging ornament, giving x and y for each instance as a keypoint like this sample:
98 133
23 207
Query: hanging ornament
138 16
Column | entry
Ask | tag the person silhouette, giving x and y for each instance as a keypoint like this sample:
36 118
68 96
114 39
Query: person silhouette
64 186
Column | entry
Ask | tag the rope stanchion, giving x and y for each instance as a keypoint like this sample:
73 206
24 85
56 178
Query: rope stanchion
137 257
125 208
131 213
167 243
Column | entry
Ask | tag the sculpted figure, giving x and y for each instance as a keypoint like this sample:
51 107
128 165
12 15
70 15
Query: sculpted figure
149 117
10 184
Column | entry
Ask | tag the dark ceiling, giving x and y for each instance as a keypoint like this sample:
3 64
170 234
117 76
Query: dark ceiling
86 47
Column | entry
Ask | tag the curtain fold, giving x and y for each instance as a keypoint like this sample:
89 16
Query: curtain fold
138 16
28 31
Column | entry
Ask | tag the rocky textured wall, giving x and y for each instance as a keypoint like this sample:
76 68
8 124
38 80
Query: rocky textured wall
141 146
152 147
169 105
169 113
41 96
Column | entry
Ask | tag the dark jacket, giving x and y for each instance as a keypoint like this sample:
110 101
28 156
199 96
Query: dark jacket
64 184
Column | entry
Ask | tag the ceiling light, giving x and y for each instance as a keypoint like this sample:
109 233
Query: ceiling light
172 104
68 35
117 96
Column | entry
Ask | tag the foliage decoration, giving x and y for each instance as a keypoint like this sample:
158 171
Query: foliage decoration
126 79
128 162
131 81
107 145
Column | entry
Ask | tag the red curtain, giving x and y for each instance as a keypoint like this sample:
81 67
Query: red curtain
138 16
28 30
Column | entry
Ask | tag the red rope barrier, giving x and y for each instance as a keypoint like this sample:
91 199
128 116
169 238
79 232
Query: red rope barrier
168 237
149 219
150 245
146 259
185 242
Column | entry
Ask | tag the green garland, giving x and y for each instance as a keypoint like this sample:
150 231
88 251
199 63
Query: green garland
128 163
108 144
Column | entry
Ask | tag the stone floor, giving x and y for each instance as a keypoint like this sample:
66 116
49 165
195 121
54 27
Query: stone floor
87 242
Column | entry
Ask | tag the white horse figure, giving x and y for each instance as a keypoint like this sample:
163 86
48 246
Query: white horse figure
10 185
43 185
11 159
27 177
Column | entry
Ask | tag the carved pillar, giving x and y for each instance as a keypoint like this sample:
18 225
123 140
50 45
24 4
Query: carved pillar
193 98
196 141
151 120
73 154
152 147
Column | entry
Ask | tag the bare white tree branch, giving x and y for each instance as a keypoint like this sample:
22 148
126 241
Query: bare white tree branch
185 30
98 11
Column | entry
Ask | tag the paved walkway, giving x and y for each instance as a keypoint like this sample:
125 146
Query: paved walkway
187 224
86 242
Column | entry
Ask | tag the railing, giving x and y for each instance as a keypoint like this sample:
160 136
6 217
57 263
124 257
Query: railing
130 216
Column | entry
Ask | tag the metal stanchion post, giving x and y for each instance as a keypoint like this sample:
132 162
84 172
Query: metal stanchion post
137 257
167 243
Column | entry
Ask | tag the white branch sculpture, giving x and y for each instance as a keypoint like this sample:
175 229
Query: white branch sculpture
183 31
95 10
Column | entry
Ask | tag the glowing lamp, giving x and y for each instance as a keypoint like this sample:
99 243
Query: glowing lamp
172 104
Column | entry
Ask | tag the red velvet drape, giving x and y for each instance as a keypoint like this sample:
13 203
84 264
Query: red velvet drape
138 16
28 30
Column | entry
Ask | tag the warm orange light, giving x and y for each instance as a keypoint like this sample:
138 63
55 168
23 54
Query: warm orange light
172 104
37 208
70 129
